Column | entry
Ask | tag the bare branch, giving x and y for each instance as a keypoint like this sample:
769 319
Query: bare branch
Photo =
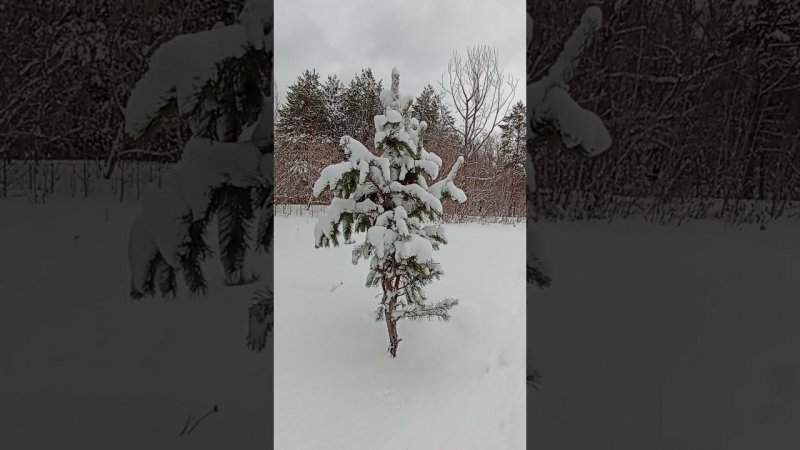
481 94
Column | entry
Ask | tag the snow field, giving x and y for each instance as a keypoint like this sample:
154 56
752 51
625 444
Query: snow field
87 367
666 337
457 384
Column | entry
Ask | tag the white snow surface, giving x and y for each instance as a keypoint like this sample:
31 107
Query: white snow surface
429 156
86 367
696 349
376 237
393 116
446 184
666 337
430 167
414 246
358 158
178 69
564 68
417 191
578 126
453 385
254 15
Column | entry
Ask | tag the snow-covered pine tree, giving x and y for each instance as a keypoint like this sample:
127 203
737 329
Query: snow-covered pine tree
513 137
332 91
220 81
426 107
553 112
360 102
389 198
304 111
431 107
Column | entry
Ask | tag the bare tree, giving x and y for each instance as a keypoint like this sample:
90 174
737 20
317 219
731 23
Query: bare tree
481 94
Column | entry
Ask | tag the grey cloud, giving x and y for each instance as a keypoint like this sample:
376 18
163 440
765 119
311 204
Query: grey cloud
416 36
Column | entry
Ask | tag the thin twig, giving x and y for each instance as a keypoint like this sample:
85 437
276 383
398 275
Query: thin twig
186 425
186 432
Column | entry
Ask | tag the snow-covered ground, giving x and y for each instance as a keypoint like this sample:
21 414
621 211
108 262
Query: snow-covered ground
665 337
454 385
651 337
86 367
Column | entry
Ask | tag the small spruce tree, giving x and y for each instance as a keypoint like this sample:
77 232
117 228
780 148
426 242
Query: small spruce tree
388 198
513 138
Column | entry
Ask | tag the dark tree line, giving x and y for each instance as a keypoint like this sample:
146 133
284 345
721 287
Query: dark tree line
331 109
315 114
70 64
701 98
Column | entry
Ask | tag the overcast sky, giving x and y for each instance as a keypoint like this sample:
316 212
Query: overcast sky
416 36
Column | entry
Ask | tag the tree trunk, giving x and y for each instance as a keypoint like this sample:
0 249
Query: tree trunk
390 286
391 327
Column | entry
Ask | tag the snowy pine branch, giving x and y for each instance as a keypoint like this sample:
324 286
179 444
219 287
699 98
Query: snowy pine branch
552 109
440 310
219 80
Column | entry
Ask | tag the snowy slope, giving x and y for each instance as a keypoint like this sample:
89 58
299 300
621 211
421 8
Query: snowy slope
664 337
454 385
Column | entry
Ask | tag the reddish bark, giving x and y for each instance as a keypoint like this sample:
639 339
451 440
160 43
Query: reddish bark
390 288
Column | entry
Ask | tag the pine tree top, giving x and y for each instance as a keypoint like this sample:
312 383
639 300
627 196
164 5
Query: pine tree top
367 185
